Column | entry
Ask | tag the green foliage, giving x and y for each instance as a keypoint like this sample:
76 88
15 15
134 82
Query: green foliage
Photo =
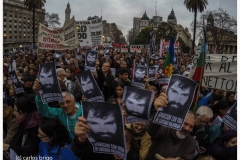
164 31
143 36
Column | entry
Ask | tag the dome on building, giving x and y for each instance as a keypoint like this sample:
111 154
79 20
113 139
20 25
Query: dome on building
145 17
172 16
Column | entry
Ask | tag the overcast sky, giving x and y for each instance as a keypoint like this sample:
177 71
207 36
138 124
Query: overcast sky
122 12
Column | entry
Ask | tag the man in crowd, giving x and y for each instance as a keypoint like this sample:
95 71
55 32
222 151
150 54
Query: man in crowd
139 74
170 143
200 131
68 113
69 84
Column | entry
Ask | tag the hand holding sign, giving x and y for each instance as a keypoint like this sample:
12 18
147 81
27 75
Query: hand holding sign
161 101
81 129
37 87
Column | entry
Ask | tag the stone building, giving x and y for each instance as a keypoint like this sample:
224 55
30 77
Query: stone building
17 25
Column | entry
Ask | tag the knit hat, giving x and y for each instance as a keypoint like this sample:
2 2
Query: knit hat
228 135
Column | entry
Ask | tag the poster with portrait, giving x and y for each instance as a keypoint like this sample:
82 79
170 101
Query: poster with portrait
107 53
230 118
90 60
57 56
163 79
151 73
180 93
139 74
89 87
107 127
138 104
50 88
18 88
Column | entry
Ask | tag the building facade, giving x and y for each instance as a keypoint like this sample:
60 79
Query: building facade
184 34
17 25
172 18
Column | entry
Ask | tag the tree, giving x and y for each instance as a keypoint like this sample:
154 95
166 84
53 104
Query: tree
143 36
52 20
221 29
32 5
164 31
195 6
130 37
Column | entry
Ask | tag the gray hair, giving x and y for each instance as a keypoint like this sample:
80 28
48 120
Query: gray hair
60 71
204 110
66 93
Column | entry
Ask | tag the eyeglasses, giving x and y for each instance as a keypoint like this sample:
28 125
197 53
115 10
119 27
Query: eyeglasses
68 102
202 121
140 125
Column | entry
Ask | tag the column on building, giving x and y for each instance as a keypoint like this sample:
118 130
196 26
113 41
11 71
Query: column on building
233 51
228 52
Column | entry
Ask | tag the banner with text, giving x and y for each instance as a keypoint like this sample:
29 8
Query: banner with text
220 72
60 39
90 32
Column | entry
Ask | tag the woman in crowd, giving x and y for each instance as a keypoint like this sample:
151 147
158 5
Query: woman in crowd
10 123
226 149
119 88
55 140
26 140
142 140
230 98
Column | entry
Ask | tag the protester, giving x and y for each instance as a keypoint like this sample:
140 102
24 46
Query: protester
142 140
11 123
68 113
201 129
226 149
230 98
55 141
26 141
181 142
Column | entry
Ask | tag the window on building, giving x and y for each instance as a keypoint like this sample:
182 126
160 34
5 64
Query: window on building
15 16
15 26
10 31
15 36
20 36
4 26
15 31
5 14
4 20
9 20
15 21
9 26
10 15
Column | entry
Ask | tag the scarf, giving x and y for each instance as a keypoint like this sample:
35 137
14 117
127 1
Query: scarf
137 134
30 120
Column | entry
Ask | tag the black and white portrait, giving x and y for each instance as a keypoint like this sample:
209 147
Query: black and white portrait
48 78
106 124
50 88
138 102
139 74
151 73
180 93
230 118
16 83
89 87
91 57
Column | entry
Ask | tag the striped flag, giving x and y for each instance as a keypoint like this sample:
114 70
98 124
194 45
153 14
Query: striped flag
168 66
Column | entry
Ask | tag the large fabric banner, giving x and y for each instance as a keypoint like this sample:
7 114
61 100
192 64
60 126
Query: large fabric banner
60 39
220 72
90 32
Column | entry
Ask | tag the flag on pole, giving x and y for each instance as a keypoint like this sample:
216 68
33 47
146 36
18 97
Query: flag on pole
160 51
204 101
198 74
168 67
152 43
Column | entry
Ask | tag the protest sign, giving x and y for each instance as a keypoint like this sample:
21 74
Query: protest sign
89 87
138 76
136 48
90 32
90 62
124 49
230 118
151 73
59 39
138 104
18 88
50 88
107 128
180 94
220 72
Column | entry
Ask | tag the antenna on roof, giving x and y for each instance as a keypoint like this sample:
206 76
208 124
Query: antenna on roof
156 8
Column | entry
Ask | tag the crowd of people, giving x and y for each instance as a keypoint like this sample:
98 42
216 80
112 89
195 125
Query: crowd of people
57 130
